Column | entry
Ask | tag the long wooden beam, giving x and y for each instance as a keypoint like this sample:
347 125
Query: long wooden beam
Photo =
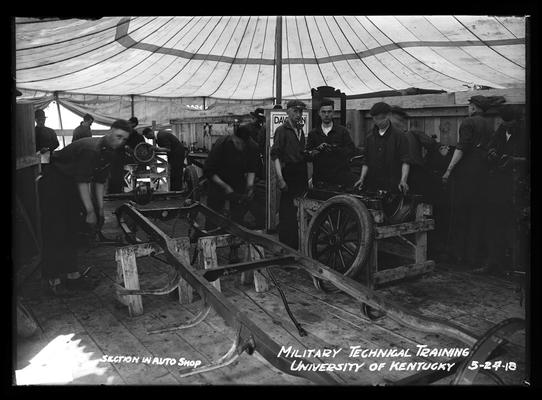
234 317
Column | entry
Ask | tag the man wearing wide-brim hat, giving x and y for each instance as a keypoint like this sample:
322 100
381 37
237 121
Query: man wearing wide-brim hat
468 174
290 161
46 139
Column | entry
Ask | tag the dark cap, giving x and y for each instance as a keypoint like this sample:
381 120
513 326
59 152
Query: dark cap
399 112
277 107
88 117
327 102
258 113
39 114
296 104
122 124
480 101
380 108
134 120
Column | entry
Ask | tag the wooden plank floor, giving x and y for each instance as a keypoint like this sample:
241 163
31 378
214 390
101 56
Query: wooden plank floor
77 333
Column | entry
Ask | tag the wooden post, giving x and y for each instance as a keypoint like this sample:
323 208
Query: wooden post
260 281
186 292
208 256
372 265
420 238
127 274
248 276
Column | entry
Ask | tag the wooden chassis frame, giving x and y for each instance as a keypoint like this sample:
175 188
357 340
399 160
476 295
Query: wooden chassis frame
249 333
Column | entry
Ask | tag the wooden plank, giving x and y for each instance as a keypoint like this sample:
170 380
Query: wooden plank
396 248
448 131
416 123
413 101
26 161
127 273
260 281
338 330
186 292
512 96
115 339
402 272
420 238
161 312
344 305
249 369
432 127
372 264
404 228
208 256
64 353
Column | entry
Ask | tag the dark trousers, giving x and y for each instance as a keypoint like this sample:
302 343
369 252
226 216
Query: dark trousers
501 222
60 218
295 176
176 167
116 177
468 218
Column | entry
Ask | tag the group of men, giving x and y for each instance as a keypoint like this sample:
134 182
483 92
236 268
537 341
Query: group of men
474 195
482 175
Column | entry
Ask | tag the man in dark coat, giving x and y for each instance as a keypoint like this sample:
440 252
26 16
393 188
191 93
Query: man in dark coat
77 172
386 164
290 161
231 168
46 140
468 172
331 148
508 173
83 130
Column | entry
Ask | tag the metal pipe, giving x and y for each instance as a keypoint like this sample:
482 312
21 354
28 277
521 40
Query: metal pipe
278 60
60 119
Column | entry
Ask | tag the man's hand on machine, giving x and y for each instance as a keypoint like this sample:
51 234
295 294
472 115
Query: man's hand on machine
359 184
403 187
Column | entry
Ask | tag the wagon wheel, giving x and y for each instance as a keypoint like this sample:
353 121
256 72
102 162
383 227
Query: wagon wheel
340 235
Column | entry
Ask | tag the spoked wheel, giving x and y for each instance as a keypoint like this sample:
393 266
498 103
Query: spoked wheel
340 235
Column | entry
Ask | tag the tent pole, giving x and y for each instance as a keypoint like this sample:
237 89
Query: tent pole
60 119
132 104
278 60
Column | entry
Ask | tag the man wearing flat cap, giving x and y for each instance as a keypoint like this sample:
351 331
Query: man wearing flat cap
83 130
71 191
468 174
46 140
290 161
386 164
124 156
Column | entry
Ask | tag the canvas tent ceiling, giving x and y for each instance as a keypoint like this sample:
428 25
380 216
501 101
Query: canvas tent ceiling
232 57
